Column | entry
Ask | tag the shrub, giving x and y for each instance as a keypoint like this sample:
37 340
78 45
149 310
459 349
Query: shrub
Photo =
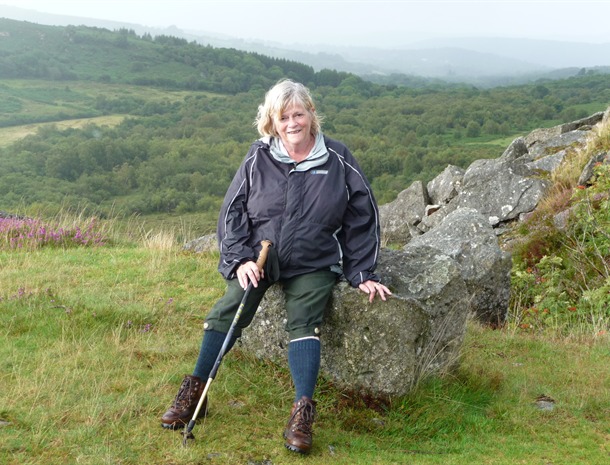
28 233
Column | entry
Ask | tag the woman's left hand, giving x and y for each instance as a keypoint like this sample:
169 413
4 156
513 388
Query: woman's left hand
373 288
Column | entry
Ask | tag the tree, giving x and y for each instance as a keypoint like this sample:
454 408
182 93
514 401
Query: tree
539 92
473 129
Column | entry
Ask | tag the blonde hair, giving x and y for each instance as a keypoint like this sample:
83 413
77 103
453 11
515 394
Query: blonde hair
282 95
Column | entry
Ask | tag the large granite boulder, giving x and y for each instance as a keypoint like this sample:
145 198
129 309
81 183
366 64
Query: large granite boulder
384 348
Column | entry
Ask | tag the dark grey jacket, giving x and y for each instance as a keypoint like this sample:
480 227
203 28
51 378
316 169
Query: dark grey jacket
316 219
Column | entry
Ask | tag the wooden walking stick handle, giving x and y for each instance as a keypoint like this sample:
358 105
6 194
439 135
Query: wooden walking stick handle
262 257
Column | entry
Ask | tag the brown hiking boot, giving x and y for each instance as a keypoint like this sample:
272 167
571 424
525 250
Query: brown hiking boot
298 433
185 404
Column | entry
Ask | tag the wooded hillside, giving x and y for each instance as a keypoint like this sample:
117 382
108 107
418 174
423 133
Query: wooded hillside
186 113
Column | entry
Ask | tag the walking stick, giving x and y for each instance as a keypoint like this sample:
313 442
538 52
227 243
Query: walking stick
262 259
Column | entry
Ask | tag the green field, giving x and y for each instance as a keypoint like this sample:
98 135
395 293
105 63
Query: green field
95 341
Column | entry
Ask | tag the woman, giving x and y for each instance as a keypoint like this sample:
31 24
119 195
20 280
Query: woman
306 194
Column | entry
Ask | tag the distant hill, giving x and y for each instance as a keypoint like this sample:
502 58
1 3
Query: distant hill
480 61
544 53
70 53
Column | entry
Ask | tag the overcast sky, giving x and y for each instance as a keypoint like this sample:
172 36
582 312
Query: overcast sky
352 22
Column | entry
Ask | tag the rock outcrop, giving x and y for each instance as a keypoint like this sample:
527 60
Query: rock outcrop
208 243
466 236
400 217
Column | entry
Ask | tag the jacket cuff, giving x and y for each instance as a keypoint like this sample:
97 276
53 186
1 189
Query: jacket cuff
233 272
363 276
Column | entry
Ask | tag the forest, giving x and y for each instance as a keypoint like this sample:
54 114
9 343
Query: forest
186 111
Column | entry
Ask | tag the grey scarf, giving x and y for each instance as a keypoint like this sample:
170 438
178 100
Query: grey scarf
316 157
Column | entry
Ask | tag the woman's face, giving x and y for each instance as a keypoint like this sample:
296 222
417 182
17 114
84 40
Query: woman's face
294 125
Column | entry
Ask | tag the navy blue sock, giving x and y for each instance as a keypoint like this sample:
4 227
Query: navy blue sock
304 362
210 348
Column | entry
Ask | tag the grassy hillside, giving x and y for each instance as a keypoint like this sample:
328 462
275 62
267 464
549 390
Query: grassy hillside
96 338
101 310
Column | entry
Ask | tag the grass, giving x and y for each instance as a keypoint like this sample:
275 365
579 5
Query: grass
12 134
94 342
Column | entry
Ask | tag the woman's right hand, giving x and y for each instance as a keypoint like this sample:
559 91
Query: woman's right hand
248 272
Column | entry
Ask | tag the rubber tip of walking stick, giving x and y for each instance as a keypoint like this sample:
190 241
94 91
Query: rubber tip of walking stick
188 433
186 437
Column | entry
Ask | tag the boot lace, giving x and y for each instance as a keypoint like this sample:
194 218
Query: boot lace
303 417
186 394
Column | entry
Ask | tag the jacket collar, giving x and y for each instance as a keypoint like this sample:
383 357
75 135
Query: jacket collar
317 157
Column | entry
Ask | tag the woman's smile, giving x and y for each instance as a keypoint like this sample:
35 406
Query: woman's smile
294 128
